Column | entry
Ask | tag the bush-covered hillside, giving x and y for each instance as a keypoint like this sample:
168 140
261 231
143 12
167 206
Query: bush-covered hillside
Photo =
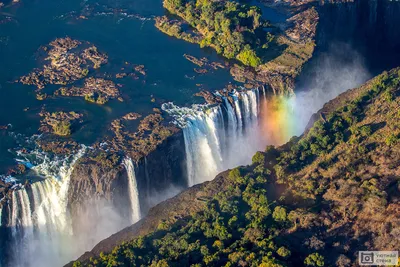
232 29
315 201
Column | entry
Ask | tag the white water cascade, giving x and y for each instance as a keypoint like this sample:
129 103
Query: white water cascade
219 137
133 190
39 219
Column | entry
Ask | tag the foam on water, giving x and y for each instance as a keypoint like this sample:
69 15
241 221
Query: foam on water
218 137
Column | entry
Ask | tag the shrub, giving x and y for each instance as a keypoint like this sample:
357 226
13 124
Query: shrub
218 244
85 72
388 96
314 259
62 128
90 98
365 131
279 171
283 252
391 139
249 58
236 176
279 214
258 158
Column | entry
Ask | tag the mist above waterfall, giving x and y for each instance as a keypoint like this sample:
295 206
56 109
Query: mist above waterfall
334 72
329 74
97 219
157 197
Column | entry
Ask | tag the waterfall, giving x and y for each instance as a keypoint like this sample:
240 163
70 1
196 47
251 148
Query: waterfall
133 190
253 103
26 218
233 123
202 146
50 211
218 137
239 117
39 221
264 93
14 213
246 104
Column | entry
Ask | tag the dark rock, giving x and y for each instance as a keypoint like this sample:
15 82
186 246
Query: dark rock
95 90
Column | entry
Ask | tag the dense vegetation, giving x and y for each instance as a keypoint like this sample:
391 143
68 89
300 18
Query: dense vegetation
232 29
315 201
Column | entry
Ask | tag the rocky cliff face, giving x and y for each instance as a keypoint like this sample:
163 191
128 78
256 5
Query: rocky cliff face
369 26
95 178
161 169
90 181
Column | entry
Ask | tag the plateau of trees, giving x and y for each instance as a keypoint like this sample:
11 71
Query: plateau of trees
234 30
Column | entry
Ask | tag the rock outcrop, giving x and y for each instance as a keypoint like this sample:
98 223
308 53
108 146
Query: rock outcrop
101 175
96 90
59 123
68 61
92 180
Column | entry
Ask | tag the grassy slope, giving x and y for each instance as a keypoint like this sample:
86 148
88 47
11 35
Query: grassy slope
316 200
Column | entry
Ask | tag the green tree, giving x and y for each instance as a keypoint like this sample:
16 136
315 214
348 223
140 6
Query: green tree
249 58
62 128
279 214
173 4
314 259
258 158
283 252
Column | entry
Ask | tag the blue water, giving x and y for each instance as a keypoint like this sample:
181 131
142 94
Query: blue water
124 38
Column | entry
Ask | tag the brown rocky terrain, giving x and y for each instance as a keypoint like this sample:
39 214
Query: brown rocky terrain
204 64
59 123
151 132
54 145
97 178
67 61
96 90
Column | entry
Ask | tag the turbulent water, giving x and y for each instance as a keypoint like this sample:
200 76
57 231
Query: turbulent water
133 190
39 219
219 137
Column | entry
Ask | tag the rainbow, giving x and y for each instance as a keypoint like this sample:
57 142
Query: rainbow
279 123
